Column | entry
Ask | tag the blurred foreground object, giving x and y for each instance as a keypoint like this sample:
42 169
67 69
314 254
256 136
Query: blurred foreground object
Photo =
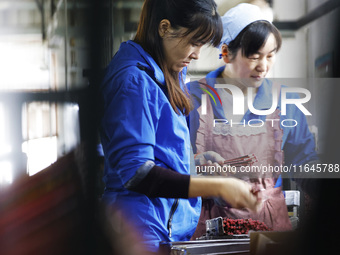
45 213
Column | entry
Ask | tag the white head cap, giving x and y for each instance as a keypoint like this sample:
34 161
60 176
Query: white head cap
237 18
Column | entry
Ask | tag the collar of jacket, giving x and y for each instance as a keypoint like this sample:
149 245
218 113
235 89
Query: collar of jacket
149 64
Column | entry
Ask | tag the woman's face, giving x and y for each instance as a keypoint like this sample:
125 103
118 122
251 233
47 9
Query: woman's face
250 71
179 51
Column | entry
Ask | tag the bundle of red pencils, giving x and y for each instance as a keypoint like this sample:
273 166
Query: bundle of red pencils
246 160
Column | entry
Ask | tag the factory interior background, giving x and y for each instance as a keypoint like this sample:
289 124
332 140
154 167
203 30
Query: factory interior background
52 53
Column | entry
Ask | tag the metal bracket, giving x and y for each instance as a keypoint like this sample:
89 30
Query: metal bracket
41 4
318 12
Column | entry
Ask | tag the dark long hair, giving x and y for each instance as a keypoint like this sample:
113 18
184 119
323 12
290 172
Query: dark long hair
253 37
199 17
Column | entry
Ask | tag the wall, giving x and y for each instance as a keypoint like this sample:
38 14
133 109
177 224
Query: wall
311 52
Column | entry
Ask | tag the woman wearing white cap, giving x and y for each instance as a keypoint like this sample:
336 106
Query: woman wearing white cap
248 48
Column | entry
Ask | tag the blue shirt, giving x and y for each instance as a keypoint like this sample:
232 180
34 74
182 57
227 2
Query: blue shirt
140 125
297 142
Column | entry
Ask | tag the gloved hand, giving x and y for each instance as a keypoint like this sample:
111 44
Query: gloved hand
208 157
209 163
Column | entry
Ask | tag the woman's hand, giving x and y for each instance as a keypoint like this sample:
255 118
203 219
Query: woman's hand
237 193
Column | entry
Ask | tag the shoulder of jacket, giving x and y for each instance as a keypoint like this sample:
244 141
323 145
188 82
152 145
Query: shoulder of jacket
134 80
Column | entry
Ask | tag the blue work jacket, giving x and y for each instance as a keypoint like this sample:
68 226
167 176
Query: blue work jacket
297 142
140 125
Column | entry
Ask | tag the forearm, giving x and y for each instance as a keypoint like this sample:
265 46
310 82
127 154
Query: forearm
235 192
160 182
204 186
156 181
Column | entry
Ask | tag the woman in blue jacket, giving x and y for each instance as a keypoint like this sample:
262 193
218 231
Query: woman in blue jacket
144 131
276 137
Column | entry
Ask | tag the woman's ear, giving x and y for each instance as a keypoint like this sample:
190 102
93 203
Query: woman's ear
225 53
164 27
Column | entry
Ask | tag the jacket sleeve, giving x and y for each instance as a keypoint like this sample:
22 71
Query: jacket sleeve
299 147
156 181
128 126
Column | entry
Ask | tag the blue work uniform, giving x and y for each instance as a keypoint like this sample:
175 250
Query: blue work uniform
297 142
139 125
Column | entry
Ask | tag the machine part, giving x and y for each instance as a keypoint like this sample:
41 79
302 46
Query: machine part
292 197
214 227
207 247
